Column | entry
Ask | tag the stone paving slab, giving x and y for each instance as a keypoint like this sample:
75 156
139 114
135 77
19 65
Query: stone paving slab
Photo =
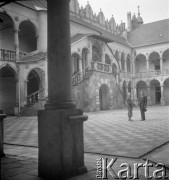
105 132
22 172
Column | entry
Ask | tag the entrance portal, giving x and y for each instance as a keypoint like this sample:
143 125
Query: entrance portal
104 97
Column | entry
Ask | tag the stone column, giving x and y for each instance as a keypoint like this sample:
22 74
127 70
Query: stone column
60 125
148 95
42 32
16 43
162 95
125 66
147 65
161 65
25 91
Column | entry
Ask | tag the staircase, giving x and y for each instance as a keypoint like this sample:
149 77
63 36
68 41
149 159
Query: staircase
34 102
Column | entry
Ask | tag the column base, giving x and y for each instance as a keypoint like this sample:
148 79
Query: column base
162 102
68 104
61 144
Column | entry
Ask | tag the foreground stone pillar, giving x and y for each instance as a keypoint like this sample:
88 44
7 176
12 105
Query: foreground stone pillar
2 116
60 125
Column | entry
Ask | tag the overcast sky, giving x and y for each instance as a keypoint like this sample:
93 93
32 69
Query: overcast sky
151 10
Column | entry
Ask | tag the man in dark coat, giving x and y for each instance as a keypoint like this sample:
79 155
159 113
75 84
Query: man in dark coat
130 105
143 105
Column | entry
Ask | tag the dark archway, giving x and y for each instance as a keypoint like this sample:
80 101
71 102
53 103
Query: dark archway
141 86
96 53
124 92
27 37
166 91
8 90
155 92
104 96
35 85
129 87
84 58
75 63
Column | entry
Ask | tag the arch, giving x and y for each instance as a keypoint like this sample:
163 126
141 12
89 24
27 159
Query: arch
85 53
117 55
155 92
7 26
27 36
141 86
114 69
166 91
122 62
165 57
128 63
75 63
104 97
107 59
8 90
154 59
140 63
124 87
96 53
129 86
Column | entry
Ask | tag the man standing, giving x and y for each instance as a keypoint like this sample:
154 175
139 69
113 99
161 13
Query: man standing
130 105
143 105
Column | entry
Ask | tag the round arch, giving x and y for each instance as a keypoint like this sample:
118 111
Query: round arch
96 52
154 60
7 27
104 97
8 97
155 92
107 59
140 63
165 57
122 62
124 87
166 91
75 58
129 86
141 86
27 36
128 64
85 53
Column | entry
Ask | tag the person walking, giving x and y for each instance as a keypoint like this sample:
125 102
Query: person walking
143 105
130 105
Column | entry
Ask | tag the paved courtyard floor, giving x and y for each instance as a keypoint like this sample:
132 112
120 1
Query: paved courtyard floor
106 134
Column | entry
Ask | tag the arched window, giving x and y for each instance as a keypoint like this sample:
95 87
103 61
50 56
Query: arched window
84 58
75 59
96 54
107 59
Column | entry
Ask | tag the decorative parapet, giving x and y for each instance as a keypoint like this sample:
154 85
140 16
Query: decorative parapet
86 14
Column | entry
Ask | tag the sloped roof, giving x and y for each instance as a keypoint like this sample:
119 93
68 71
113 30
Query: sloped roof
77 37
103 32
151 33
32 4
35 56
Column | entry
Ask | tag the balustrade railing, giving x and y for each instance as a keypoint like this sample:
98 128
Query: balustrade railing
78 77
6 54
100 67
152 73
35 97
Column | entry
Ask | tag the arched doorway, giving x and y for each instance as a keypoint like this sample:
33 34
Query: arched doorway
35 85
75 63
124 92
141 86
140 63
129 87
155 92
166 91
104 96
122 62
8 90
